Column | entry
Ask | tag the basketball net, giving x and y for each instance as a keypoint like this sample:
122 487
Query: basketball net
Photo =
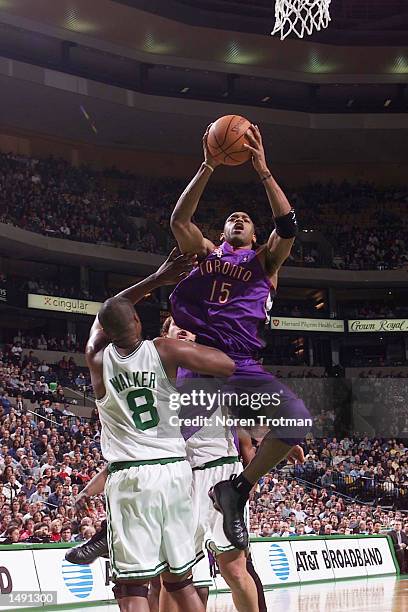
300 16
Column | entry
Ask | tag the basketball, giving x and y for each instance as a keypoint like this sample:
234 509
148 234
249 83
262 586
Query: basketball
226 140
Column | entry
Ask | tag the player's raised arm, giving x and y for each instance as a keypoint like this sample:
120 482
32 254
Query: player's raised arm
194 357
280 242
97 340
189 237
169 273
172 270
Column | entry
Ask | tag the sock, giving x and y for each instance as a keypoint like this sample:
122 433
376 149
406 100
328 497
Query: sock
241 484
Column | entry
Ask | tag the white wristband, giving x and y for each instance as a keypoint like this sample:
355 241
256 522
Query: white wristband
208 166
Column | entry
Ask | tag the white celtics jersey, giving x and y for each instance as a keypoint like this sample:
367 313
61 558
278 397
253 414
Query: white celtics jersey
135 415
212 442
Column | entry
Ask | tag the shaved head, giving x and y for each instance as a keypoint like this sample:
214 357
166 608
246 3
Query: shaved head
119 319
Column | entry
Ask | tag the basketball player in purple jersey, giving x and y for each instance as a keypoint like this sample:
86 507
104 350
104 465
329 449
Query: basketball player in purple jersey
222 302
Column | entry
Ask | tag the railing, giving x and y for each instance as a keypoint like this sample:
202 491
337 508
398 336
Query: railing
358 488
70 419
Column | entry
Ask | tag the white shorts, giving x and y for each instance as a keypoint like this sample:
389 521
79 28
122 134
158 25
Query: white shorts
209 531
202 573
150 520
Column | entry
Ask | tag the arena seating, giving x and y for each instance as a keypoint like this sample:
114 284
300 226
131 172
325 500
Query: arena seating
345 486
285 507
55 199
47 454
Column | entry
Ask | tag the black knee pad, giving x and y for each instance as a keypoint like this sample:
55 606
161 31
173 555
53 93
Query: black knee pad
171 587
127 589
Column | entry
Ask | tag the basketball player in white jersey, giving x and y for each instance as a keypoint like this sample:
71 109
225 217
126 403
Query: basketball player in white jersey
148 487
212 457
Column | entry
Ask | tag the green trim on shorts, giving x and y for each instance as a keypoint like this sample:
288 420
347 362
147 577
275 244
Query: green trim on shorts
141 574
218 550
130 574
159 569
125 465
184 568
216 463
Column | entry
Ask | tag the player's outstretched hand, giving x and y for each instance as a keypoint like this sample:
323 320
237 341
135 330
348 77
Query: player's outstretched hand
256 147
211 161
176 267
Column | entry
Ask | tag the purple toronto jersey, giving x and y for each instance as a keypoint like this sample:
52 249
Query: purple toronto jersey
223 301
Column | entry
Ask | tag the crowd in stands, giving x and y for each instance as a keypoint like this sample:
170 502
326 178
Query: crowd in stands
26 375
46 460
370 249
283 507
53 198
66 344
61 289
347 486
46 455
376 310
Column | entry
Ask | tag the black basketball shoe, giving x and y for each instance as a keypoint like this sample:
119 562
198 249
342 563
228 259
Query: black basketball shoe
88 552
227 500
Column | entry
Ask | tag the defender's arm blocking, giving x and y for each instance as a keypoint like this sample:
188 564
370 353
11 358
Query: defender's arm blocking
194 357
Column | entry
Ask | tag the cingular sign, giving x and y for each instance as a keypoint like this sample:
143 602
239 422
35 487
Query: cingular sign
378 325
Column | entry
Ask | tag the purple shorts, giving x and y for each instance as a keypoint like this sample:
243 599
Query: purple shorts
267 400
257 397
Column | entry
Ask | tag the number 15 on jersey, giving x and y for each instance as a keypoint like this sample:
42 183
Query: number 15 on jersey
220 292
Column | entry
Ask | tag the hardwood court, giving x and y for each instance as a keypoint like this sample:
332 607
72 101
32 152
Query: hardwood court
387 594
